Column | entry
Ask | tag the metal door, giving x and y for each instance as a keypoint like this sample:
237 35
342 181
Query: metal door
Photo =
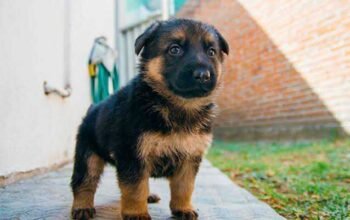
133 17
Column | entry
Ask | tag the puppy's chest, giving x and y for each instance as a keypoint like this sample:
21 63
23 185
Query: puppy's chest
155 144
160 151
177 120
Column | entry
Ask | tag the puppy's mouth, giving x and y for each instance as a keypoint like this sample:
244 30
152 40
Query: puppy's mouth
205 88
195 91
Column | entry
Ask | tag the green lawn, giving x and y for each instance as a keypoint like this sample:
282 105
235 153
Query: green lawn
299 180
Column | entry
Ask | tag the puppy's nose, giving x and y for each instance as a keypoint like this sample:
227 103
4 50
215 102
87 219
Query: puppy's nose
201 75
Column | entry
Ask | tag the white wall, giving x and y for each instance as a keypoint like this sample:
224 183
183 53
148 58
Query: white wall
38 130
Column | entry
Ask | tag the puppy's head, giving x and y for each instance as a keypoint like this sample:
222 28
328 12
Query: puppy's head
182 56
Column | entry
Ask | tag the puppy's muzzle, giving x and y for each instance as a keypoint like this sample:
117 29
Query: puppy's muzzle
201 76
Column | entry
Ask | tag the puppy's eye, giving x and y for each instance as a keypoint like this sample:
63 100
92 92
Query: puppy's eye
211 52
175 50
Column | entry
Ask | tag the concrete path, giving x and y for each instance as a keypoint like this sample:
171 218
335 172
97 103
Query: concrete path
48 197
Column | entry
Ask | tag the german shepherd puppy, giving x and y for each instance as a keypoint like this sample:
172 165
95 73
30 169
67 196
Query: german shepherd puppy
159 125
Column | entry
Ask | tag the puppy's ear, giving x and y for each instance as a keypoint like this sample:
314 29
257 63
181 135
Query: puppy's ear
142 40
223 43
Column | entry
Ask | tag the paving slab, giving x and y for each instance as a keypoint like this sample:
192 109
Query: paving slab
48 196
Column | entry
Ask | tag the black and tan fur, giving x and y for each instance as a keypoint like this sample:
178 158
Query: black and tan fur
159 125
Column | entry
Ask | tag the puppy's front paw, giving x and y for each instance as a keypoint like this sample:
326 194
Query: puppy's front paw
83 214
137 217
185 215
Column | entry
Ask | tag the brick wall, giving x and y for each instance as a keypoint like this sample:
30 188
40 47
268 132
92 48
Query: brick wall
288 72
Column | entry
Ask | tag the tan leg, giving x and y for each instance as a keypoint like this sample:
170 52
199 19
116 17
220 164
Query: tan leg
181 186
83 204
134 200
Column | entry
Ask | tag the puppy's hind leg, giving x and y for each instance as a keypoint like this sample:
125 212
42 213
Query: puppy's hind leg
153 198
88 168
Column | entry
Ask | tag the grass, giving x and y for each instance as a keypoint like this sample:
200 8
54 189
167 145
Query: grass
299 180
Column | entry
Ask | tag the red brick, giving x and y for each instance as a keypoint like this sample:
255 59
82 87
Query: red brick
264 89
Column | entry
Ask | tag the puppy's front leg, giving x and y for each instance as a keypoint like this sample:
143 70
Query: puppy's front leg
134 199
181 186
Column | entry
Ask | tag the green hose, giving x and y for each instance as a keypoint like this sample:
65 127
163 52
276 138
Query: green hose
102 81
